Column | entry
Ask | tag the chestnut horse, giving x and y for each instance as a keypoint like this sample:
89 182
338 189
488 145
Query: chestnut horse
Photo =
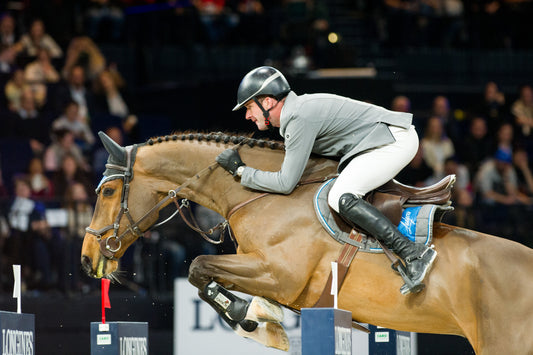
480 287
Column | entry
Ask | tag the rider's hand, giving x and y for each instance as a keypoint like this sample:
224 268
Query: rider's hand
230 160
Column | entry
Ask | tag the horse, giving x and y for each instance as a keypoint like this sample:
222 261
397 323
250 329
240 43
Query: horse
479 287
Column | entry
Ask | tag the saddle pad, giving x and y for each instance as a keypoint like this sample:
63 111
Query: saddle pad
416 223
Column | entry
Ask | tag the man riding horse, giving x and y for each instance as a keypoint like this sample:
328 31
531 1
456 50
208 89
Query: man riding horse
373 144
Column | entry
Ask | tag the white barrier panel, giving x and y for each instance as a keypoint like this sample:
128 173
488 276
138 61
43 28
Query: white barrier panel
198 330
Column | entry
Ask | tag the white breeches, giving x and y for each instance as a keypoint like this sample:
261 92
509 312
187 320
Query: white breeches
375 167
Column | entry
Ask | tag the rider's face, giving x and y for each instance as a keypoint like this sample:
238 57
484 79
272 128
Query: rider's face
254 114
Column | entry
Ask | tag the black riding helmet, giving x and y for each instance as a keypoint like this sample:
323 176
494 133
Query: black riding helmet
262 81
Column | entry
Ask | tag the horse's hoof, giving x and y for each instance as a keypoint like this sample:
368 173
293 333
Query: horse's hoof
269 334
262 310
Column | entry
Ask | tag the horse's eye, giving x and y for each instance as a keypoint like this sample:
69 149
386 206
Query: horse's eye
108 191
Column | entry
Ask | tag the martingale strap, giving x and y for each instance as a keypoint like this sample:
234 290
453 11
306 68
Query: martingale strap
344 260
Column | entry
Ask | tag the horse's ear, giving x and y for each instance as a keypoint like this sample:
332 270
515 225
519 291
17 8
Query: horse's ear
115 150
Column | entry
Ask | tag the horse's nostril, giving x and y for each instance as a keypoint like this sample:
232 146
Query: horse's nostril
86 262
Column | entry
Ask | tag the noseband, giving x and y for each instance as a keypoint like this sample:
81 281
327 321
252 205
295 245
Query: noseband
111 245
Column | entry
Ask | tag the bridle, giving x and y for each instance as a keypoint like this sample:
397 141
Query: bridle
111 245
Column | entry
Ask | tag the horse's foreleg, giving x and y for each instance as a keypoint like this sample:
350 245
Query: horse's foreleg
243 316
247 273
269 334
247 325
243 272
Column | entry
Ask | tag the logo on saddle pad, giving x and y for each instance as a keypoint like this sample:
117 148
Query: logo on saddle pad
407 225
416 222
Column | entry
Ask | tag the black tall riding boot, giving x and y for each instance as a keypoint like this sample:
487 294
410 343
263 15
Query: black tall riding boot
418 257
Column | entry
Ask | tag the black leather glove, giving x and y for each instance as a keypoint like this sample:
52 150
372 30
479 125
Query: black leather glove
230 160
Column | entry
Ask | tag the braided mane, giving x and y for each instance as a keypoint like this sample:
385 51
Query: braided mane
217 137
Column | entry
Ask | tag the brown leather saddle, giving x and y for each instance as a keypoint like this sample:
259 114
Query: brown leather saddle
393 196
390 199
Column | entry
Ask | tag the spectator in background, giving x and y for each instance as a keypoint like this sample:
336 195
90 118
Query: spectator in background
476 146
72 121
36 39
79 209
217 19
401 103
522 110
492 107
48 256
7 64
486 29
500 198
25 217
110 102
462 194
441 109
68 174
523 172
504 138
417 173
76 90
84 52
436 147
40 185
104 11
39 74
28 122
8 36
108 95
453 23
251 16
63 146
14 89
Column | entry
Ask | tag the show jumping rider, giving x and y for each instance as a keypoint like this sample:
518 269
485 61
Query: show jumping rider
373 145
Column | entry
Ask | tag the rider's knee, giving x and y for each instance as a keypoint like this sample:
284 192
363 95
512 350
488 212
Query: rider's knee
335 195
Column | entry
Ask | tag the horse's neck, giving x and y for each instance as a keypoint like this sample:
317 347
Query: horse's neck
170 165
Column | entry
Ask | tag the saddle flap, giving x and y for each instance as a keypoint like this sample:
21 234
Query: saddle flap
390 205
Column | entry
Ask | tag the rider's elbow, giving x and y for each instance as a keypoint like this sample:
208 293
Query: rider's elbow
287 188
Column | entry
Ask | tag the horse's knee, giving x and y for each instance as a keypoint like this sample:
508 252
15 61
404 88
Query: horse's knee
197 275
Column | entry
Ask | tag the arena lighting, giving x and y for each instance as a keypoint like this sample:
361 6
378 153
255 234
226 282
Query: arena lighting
333 37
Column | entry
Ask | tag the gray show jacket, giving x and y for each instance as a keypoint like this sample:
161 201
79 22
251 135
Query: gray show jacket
328 125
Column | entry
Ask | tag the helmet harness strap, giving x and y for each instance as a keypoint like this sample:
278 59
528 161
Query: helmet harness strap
266 113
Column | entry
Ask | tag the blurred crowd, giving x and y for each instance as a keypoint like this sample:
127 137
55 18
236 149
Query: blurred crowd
455 23
57 89
488 146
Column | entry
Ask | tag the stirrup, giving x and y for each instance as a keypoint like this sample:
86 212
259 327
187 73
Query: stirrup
409 285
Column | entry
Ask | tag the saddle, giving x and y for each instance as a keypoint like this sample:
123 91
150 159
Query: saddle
392 197
422 206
